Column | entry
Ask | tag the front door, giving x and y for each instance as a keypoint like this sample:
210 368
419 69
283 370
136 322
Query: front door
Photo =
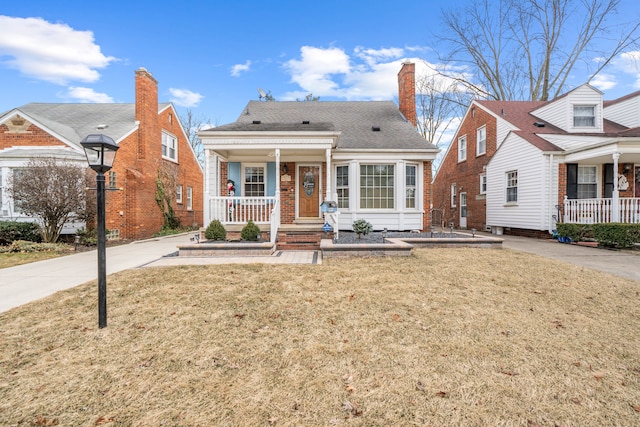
309 191
463 210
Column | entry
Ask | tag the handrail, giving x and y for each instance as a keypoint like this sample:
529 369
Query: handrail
593 211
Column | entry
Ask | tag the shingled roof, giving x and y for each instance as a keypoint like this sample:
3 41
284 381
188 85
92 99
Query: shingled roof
371 125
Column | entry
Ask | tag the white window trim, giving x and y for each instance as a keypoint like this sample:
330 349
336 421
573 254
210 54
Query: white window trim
595 116
243 168
396 176
348 186
506 188
483 177
189 198
460 158
172 136
416 195
179 194
478 152
454 195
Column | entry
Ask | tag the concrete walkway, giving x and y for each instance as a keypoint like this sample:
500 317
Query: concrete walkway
29 282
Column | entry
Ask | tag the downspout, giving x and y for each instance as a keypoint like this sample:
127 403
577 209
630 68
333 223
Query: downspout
550 196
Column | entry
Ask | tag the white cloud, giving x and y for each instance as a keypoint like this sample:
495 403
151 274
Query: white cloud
52 52
85 94
240 68
604 81
184 97
317 68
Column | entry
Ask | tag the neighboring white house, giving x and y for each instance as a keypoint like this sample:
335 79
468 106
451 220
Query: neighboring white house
573 159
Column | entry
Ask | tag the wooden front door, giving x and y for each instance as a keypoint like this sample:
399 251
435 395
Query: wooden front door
309 191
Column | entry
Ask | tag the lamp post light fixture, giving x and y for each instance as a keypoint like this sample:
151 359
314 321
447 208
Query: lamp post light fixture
101 152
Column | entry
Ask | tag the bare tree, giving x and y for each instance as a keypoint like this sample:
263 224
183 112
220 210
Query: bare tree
52 190
192 125
439 101
527 49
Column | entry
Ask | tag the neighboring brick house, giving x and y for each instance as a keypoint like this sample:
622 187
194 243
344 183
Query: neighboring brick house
151 141
522 166
284 159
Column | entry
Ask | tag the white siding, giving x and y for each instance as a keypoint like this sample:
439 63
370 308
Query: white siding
390 221
503 128
529 211
626 113
560 112
571 142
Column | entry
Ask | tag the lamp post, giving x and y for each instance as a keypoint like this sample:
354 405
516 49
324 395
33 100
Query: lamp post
101 152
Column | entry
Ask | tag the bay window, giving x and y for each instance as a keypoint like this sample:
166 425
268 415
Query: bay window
377 186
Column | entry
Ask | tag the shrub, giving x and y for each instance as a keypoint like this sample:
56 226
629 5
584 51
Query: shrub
616 235
576 232
215 231
14 230
23 246
361 226
88 237
250 232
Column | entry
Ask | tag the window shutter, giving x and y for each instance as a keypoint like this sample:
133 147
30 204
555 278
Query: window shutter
271 179
572 180
608 180
235 175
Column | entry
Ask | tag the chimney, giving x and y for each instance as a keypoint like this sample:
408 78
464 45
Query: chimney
407 91
146 110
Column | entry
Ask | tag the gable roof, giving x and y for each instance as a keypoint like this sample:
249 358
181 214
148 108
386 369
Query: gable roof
75 121
355 120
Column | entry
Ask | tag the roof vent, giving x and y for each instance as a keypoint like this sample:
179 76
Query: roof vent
375 128
539 124
102 126
256 122
305 122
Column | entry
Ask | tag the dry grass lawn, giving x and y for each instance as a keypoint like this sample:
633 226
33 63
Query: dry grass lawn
464 337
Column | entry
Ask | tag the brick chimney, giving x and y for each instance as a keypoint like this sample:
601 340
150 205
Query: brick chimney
146 110
407 91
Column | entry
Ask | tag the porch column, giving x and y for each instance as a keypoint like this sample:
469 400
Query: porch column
278 173
615 194
328 194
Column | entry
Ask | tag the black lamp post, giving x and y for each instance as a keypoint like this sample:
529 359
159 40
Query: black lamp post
101 152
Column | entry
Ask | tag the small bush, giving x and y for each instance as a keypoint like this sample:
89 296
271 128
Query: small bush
250 232
88 237
576 232
616 235
361 226
14 230
22 246
215 231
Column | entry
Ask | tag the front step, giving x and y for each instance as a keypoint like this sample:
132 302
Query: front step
299 240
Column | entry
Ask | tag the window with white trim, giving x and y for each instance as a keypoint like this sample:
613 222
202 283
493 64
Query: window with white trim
377 186
512 186
169 146
584 116
179 194
454 198
483 183
113 179
411 185
189 198
342 186
15 176
481 141
254 182
462 148
587 182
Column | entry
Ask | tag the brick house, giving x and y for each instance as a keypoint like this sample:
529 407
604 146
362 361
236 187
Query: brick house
151 141
522 166
283 160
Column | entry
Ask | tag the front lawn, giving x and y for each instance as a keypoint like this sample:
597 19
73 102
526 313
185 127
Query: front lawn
464 337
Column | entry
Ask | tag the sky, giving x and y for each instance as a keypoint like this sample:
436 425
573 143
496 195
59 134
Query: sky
212 57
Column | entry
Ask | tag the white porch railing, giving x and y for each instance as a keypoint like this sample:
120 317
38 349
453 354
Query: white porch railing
275 222
239 210
593 211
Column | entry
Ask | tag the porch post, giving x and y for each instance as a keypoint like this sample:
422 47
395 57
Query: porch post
615 194
278 173
328 194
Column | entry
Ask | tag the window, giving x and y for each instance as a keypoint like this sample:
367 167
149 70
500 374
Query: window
169 146
481 141
377 186
16 173
410 186
254 181
587 183
113 179
454 200
179 194
512 186
462 148
342 186
584 116
483 184
189 198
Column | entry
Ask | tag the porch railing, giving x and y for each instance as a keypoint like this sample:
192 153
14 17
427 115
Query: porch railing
593 211
239 210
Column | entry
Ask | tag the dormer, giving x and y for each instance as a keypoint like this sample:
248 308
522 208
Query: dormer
578 111
624 111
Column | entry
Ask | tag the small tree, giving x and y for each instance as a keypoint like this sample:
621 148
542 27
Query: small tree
215 231
166 187
361 226
250 232
52 190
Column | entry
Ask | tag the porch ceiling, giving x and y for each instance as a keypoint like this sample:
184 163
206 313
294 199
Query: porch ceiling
629 153
269 155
